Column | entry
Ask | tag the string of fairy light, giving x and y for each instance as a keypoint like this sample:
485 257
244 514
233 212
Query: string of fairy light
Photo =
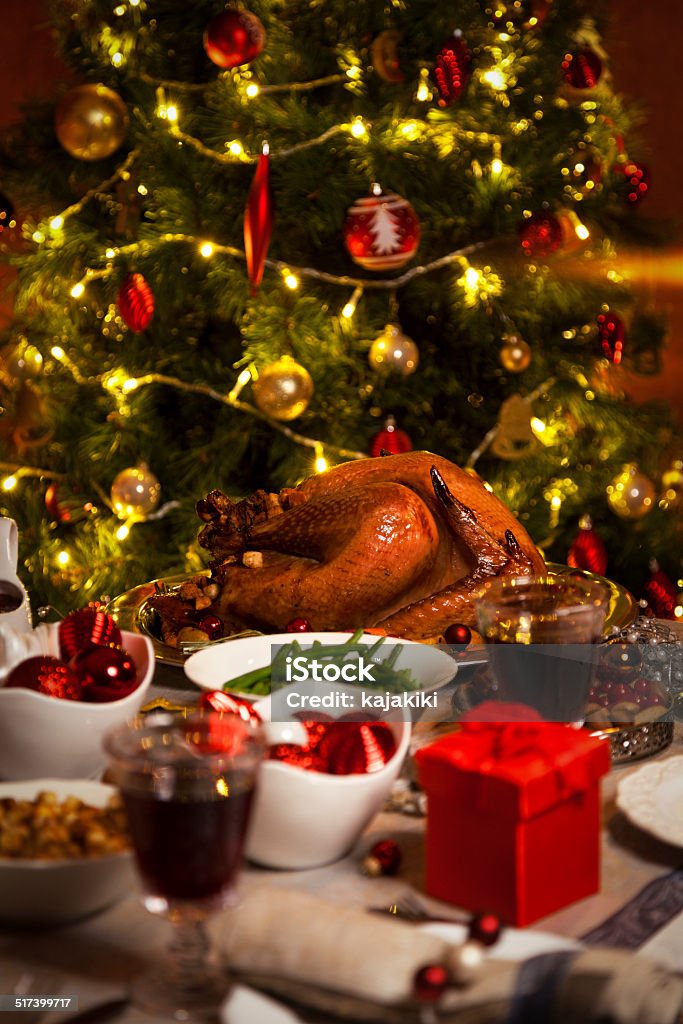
478 284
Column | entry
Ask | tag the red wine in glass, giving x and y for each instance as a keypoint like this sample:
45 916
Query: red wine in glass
188 848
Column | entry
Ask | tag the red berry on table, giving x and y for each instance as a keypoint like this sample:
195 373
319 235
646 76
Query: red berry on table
212 626
603 699
383 858
642 685
430 983
485 928
298 626
457 633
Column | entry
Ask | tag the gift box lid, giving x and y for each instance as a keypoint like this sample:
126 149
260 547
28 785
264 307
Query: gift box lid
512 768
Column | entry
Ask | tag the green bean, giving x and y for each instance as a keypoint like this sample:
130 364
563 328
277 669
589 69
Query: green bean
249 679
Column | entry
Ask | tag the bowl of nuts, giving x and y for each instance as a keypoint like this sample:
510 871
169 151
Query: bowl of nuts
64 850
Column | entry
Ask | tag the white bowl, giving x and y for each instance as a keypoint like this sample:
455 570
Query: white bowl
43 736
215 666
304 819
56 891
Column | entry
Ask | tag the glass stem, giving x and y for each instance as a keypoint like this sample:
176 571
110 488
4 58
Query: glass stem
189 962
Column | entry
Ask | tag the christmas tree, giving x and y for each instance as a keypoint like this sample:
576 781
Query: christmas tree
259 242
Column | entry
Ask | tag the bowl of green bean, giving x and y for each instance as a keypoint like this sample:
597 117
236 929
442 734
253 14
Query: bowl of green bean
251 667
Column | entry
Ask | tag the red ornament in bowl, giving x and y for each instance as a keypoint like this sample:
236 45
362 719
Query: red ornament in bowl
85 628
108 673
47 675
356 748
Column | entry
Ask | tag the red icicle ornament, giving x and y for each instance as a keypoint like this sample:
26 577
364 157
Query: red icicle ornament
136 302
258 221
661 593
588 550
390 440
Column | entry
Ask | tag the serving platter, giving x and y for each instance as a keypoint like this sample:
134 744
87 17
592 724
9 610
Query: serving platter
133 611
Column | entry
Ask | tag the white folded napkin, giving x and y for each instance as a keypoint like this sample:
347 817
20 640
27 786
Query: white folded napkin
360 966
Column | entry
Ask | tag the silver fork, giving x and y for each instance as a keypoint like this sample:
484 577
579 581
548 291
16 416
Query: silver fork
410 908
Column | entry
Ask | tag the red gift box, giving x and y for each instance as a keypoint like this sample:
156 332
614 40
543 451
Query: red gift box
513 817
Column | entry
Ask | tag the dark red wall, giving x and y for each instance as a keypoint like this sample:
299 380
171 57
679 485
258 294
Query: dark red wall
644 44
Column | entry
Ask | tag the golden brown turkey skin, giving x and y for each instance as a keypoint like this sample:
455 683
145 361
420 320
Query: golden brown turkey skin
401 541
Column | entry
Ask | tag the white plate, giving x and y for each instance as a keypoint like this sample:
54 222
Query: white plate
652 798
246 1006
216 665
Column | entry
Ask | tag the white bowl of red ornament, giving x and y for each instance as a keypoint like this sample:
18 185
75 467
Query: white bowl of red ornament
64 685
320 784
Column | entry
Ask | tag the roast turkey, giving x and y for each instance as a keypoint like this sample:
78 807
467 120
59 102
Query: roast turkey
400 542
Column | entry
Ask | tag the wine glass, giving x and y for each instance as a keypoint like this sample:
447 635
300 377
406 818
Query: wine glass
523 620
187 786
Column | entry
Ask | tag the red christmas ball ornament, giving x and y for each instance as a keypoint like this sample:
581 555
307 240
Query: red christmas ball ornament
212 626
53 507
47 675
108 673
661 593
430 983
635 181
298 626
588 550
136 302
612 334
582 69
85 628
383 858
228 704
485 928
457 633
390 440
233 38
356 748
453 70
540 234
381 231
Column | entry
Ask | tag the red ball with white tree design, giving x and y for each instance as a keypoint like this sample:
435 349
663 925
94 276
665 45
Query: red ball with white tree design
382 231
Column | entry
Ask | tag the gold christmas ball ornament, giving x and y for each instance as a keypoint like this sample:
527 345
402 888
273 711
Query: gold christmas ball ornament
283 389
394 350
515 355
135 492
91 122
631 495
